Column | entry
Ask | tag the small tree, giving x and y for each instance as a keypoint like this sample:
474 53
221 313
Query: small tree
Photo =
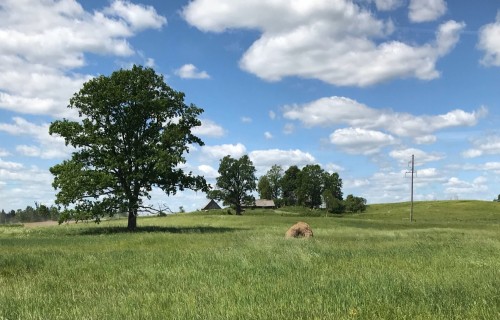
133 134
355 204
264 188
235 182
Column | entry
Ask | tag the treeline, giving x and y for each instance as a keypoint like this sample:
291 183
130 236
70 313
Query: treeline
30 214
311 187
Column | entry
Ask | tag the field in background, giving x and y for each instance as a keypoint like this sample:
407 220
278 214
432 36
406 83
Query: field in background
375 265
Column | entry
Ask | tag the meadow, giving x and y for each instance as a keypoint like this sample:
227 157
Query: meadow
375 265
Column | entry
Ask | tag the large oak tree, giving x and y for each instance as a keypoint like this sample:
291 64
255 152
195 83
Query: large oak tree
133 133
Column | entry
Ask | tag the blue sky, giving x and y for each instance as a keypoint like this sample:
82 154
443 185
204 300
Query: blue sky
355 86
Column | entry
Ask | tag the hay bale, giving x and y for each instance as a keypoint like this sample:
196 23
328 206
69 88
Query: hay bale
299 230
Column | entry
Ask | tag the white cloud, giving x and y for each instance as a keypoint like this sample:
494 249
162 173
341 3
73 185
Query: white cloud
208 171
421 157
284 158
4 153
464 189
332 167
10 165
220 151
268 135
23 185
340 110
428 139
190 71
489 42
484 145
426 10
361 141
50 147
209 128
138 17
387 5
246 119
43 41
337 42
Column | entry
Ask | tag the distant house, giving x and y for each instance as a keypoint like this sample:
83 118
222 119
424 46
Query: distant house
212 205
263 204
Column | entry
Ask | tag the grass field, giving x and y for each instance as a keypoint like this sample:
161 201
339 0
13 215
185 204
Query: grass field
376 265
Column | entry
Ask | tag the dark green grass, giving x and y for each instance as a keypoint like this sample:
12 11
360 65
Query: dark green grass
375 265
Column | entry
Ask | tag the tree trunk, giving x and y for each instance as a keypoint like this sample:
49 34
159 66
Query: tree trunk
132 219
238 209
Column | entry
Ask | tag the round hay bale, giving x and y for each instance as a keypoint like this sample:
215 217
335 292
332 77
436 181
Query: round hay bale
299 230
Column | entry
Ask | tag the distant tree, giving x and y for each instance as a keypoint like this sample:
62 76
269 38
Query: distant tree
264 188
132 136
332 183
497 199
311 186
289 185
333 204
3 217
275 175
235 182
355 204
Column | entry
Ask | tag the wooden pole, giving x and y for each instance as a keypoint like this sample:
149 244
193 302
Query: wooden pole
412 172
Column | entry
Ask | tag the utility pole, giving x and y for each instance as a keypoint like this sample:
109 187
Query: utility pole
412 163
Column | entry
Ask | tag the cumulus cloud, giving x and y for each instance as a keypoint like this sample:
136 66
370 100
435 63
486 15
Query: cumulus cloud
361 141
208 171
220 151
426 10
268 135
340 110
38 57
190 71
284 158
338 42
489 42
209 128
49 147
421 157
465 189
387 5
484 145
246 119
4 153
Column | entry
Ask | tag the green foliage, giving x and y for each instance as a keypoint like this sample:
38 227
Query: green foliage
264 188
333 204
133 134
289 185
355 204
235 182
311 186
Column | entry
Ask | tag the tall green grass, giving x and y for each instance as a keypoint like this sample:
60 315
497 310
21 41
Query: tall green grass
376 265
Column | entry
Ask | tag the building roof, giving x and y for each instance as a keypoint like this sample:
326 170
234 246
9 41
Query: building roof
211 205
264 203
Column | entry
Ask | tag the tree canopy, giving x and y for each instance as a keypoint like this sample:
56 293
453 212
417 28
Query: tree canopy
133 133
235 182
